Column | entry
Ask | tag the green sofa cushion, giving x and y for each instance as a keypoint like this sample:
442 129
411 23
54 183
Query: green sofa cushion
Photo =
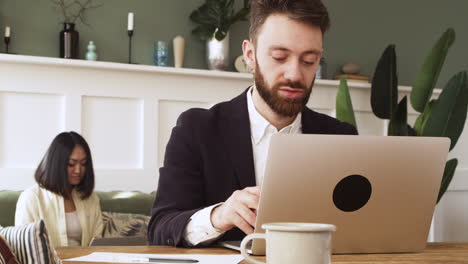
8 201
126 202
116 201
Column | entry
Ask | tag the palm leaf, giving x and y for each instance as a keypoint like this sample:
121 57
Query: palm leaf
422 118
449 171
398 123
344 105
384 90
448 115
429 73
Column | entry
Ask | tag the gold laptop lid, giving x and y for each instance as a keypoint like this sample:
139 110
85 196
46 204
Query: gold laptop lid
380 192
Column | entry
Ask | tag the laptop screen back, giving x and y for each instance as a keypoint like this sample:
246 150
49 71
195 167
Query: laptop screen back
380 192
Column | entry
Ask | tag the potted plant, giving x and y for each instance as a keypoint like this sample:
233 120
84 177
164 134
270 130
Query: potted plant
214 19
441 117
72 10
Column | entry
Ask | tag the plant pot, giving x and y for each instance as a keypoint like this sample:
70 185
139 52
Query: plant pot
217 54
69 39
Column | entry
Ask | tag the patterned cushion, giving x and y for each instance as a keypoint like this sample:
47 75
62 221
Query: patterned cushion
6 255
30 243
124 225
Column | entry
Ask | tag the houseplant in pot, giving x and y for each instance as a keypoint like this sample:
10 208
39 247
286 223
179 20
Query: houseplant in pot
441 117
72 10
214 19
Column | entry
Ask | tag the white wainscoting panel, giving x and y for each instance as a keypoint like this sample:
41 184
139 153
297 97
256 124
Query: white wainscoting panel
461 150
451 217
114 129
369 125
28 123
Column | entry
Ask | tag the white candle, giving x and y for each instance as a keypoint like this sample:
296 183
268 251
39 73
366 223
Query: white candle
7 32
130 21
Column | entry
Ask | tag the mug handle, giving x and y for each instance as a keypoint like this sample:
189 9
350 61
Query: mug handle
244 244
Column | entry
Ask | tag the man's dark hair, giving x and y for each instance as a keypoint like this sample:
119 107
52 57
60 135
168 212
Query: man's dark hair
311 12
51 174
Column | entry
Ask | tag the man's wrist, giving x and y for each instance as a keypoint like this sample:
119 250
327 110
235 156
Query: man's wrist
214 218
199 229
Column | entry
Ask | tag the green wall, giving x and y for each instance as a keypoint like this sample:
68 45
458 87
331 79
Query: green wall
361 29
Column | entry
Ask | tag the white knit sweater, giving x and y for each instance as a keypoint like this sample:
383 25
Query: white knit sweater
36 203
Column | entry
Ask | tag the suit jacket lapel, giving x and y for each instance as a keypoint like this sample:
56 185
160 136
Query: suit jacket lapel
310 122
235 129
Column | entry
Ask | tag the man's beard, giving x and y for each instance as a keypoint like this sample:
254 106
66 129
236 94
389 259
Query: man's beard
287 107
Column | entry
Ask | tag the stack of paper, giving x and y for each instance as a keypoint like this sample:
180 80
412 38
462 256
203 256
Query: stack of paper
158 258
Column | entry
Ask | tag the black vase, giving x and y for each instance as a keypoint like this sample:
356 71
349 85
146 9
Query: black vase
69 38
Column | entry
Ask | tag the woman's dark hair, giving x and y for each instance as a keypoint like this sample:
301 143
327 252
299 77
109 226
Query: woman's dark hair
311 12
51 174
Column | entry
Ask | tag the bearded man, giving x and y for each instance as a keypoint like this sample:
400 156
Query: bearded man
215 159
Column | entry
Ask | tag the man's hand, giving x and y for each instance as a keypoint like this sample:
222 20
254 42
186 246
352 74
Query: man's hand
239 210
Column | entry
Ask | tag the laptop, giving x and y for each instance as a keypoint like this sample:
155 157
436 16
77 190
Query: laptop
380 192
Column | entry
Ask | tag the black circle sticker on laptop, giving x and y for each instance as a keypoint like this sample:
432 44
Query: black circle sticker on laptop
352 193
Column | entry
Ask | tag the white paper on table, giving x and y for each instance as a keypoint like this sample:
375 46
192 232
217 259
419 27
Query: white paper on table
141 258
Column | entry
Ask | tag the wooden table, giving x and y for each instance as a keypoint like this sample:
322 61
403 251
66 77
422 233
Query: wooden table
434 253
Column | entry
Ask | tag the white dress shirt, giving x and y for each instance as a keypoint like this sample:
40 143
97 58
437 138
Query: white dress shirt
200 230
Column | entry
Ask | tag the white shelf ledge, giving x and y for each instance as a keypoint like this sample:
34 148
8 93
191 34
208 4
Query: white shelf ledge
100 65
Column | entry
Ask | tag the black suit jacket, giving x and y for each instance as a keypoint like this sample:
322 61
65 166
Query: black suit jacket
209 156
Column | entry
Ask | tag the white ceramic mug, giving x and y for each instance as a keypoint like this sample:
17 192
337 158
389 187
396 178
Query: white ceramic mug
297 243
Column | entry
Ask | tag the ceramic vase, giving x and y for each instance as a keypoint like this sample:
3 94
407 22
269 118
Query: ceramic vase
69 39
217 53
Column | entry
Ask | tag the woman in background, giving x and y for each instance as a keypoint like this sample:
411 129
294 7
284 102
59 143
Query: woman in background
63 196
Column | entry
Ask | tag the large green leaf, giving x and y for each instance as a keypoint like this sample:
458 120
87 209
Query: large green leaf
422 118
411 131
229 5
384 91
429 73
398 123
448 115
227 11
241 15
206 15
204 32
217 14
220 34
344 105
449 171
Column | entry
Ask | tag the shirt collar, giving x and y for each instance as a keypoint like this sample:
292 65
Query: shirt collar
259 125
